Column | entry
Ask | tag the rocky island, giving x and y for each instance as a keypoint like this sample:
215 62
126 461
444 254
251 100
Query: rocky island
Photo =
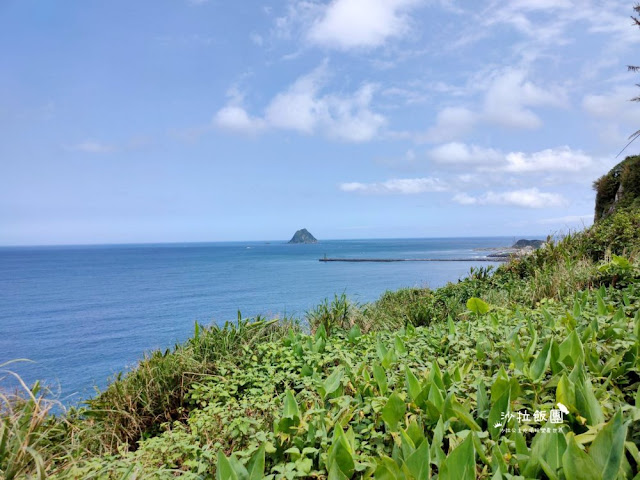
528 243
519 249
303 236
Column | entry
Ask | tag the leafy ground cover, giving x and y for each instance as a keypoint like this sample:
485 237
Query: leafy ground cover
528 371
467 399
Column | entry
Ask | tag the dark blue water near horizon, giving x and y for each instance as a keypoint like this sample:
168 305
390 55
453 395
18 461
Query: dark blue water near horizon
84 313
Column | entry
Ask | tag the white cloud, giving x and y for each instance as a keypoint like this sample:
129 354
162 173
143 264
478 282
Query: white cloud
558 160
614 105
347 24
508 101
91 146
525 198
462 154
615 116
298 107
464 199
237 119
451 123
404 186
549 160
509 96
305 109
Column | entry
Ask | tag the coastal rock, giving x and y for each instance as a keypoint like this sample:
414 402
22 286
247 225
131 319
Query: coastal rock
528 243
303 236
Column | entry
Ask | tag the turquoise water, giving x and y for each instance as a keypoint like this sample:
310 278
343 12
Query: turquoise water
85 313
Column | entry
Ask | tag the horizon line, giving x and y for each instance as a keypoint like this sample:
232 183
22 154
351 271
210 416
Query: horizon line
279 241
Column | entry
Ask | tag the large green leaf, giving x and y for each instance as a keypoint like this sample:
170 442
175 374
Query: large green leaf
419 462
577 464
333 381
435 376
407 446
547 449
255 467
354 333
436 444
498 463
566 393
453 408
394 411
381 349
387 469
477 306
399 345
539 366
570 351
586 402
380 376
340 454
291 414
499 408
500 385
482 400
607 449
415 433
390 358
413 385
435 398
291 409
461 463
224 470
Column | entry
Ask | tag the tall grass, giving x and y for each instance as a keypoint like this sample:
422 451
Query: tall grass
26 429
339 313
134 405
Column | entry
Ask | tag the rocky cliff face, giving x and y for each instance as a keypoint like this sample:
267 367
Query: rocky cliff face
619 188
303 236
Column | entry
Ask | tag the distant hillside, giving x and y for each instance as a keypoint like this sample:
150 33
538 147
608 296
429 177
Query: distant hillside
619 188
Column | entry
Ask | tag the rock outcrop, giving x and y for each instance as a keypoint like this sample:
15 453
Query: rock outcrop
303 236
619 188
528 243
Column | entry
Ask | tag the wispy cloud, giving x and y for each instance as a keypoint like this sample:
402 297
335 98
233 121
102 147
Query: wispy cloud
456 153
550 160
527 198
510 96
561 159
401 186
451 123
236 118
91 146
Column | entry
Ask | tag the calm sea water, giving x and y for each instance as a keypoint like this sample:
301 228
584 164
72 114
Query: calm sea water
84 313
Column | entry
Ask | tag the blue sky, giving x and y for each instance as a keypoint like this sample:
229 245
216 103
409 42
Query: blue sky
196 120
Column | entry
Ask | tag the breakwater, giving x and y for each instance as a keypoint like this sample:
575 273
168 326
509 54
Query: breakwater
384 260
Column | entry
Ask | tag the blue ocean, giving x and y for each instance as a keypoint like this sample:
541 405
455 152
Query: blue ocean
83 313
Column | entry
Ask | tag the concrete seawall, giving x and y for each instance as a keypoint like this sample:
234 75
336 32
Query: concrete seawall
388 260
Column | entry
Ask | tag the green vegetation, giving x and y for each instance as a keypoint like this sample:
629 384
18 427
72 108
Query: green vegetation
619 188
531 370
